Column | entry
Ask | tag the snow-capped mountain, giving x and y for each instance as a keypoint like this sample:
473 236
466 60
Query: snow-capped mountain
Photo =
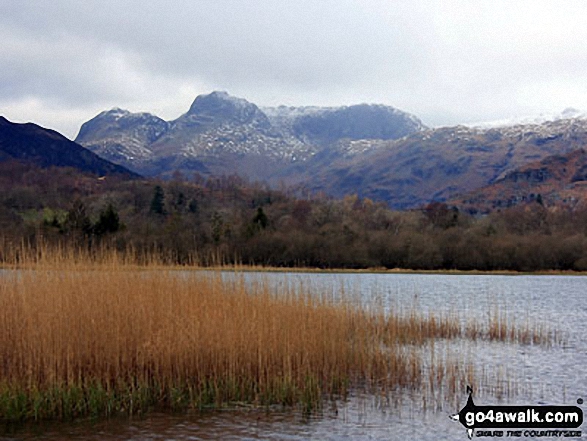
568 113
121 136
441 163
372 150
219 124
225 134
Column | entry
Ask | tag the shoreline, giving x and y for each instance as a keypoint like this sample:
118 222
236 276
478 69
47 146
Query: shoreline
456 272
310 270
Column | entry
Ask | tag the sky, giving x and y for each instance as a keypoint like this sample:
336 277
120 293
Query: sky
448 62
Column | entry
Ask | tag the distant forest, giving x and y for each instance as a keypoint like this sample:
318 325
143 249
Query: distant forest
226 220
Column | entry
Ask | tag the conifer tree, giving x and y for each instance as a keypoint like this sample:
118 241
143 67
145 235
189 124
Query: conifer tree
158 201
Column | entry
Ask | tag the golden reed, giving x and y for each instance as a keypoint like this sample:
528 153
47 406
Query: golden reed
98 335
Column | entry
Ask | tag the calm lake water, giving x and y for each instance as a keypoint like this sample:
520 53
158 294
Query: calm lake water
512 373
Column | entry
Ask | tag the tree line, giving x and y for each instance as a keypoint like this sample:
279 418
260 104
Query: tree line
229 220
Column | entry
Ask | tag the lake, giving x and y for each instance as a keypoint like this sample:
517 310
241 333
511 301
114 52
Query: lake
510 373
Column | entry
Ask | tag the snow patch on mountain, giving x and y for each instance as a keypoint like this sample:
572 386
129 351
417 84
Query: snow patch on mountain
218 126
568 113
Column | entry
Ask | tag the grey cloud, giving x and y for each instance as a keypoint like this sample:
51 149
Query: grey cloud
448 62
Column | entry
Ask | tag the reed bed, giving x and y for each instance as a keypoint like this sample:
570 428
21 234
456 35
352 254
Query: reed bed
98 336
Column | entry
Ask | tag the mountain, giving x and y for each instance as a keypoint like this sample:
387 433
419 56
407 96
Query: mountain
374 151
123 137
45 148
568 113
439 164
323 126
557 180
222 134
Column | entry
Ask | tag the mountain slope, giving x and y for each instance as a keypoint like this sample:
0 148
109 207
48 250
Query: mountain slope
44 147
122 137
326 125
439 164
222 134
557 180
372 150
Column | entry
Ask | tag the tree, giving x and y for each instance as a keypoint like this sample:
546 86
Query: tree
109 222
77 220
260 219
193 206
158 201
539 200
180 202
217 227
441 216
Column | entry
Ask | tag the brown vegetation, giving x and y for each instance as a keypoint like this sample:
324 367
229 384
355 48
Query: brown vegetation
227 220
98 335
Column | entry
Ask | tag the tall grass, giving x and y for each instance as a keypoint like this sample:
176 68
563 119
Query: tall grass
102 335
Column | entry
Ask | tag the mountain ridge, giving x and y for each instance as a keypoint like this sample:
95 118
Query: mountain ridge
221 128
437 164
375 151
46 147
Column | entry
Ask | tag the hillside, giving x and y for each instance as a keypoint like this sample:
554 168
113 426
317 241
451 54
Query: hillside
227 220
371 150
437 164
555 181
222 134
46 148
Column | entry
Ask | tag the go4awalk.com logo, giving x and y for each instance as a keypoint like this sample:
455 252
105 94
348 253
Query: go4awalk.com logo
518 421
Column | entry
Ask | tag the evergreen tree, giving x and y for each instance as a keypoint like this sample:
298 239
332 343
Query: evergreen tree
180 199
217 227
158 201
539 199
260 218
109 222
193 206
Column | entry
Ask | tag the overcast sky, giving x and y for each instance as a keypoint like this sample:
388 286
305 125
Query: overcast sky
448 62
